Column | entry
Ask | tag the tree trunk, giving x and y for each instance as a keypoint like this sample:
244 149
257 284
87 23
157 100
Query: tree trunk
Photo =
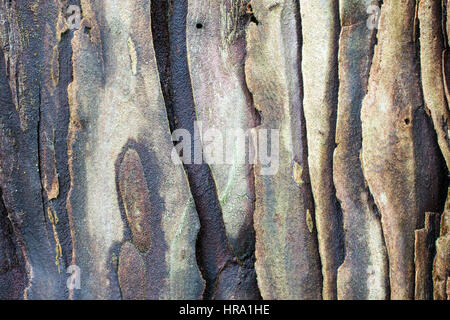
133 159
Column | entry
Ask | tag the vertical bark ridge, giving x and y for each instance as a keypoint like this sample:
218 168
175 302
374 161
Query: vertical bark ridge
287 260
364 273
431 51
321 29
424 251
225 276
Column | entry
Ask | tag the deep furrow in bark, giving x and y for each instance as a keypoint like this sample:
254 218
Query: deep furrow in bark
53 135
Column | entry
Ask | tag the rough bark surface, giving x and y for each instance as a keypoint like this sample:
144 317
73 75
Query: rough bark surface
441 265
96 202
364 272
287 260
399 153
424 250
320 27
431 52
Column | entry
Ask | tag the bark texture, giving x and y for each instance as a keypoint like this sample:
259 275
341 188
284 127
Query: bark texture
287 260
399 151
320 27
441 265
364 272
115 185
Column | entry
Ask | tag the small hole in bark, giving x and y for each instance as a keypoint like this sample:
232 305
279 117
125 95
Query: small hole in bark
407 121
254 20
87 30
199 25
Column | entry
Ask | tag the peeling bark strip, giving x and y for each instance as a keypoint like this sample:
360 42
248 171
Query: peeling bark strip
424 250
431 49
441 265
114 87
287 261
399 155
364 273
320 26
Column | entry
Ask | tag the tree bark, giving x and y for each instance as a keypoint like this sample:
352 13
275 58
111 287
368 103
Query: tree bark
100 198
